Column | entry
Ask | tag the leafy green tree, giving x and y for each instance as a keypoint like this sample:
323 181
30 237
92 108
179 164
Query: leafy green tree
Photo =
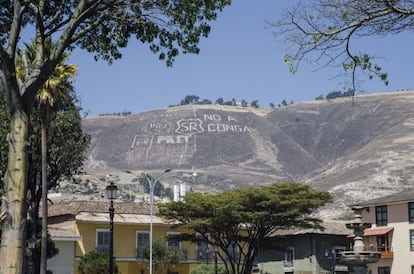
324 32
190 100
244 103
284 103
205 102
238 222
255 103
162 256
100 27
95 263
220 101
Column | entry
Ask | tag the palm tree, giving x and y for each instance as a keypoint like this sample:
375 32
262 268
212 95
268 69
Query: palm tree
55 90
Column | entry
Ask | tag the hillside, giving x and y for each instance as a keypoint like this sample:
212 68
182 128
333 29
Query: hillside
357 149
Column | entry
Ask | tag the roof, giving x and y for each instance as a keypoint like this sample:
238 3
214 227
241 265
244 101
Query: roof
401 197
77 206
375 231
64 231
119 218
332 228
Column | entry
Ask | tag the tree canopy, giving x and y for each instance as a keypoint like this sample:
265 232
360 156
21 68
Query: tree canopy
325 32
238 221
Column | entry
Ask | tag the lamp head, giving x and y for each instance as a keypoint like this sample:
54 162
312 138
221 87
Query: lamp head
111 191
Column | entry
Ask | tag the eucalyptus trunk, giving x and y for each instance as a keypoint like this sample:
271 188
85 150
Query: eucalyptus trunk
14 201
43 251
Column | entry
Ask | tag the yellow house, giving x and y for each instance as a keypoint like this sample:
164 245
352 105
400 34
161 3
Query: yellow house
88 222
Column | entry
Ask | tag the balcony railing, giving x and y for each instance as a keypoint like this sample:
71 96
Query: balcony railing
387 254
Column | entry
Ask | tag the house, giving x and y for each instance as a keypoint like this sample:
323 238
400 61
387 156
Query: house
392 232
84 227
305 251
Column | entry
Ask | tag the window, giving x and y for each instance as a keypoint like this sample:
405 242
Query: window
102 240
384 270
382 242
411 212
412 239
202 248
381 215
142 240
289 256
173 243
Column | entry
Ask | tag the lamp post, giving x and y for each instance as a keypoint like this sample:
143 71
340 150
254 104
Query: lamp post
31 245
152 182
215 260
111 194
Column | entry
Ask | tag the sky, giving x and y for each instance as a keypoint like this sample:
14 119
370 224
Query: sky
240 59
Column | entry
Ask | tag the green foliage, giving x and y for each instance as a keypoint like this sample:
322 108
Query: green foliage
162 256
338 94
219 101
95 263
255 103
209 269
190 100
243 218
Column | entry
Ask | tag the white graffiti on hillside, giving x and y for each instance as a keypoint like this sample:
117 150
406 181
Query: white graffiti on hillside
189 126
148 141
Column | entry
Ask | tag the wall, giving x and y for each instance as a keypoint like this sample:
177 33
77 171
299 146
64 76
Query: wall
399 238
63 262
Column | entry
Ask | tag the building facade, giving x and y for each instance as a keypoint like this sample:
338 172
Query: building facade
392 232
86 226
305 251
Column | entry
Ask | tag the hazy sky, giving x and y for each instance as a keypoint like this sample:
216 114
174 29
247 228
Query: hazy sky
240 59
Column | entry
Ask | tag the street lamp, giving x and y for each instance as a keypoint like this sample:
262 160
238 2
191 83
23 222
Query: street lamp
152 182
111 194
31 244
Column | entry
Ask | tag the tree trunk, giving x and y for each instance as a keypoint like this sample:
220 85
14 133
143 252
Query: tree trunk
43 253
14 201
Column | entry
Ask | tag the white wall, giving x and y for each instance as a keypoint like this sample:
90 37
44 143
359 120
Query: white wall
399 238
63 262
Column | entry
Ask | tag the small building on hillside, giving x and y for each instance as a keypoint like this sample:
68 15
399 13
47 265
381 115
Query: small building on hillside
392 232
305 251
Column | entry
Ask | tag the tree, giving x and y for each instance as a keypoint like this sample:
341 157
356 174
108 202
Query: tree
55 90
163 256
238 221
101 27
66 154
190 100
95 263
255 103
219 101
324 32
205 102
